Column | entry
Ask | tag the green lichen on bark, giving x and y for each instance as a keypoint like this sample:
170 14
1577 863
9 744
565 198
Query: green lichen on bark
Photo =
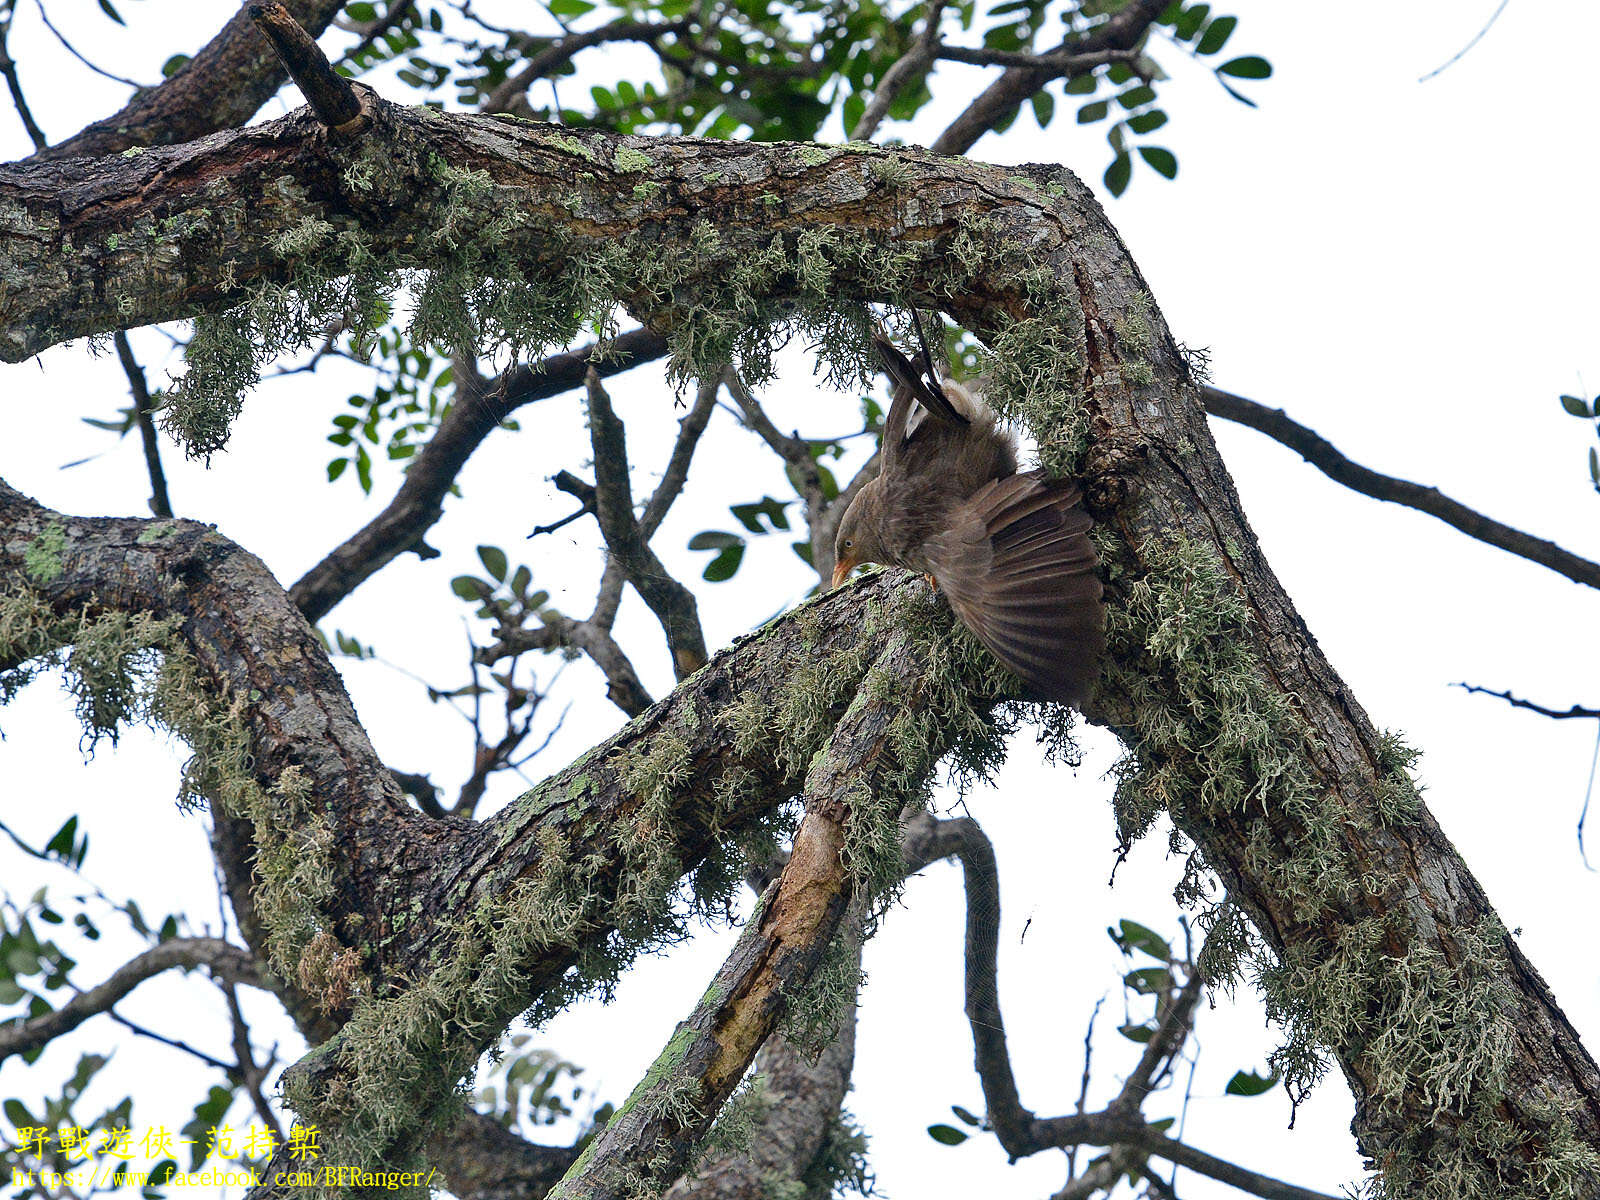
42 558
131 669
1211 737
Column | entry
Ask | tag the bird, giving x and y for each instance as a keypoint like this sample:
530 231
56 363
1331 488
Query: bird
1009 549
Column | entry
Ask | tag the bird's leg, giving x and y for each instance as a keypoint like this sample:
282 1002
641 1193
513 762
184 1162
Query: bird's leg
932 582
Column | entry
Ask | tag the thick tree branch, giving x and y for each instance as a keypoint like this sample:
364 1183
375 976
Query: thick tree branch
1317 451
223 960
780 950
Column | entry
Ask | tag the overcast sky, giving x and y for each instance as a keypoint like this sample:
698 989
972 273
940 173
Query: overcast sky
1406 266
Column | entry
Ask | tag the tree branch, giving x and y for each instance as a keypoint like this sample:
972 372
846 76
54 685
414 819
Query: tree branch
1576 712
673 604
653 1134
913 63
330 94
419 502
556 55
1006 94
225 961
1277 424
796 454
221 87
8 68
143 406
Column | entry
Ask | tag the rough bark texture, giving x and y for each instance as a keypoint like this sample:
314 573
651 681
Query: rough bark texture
1237 722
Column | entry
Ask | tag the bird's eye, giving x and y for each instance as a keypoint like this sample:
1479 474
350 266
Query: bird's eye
847 543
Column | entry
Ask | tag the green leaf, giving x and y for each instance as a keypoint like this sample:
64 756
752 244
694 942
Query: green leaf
1136 97
361 10
570 8
715 539
1216 35
173 65
60 846
1163 160
1137 1033
1577 406
1148 981
1248 1083
1118 174
1091 113
723 566
749 515
1044 107
336 468
1082 85
105 7
470 587
1594 466
494 561
1251 66
946 1135
1130 935
966 1117
1190 21
17 1113
1147 122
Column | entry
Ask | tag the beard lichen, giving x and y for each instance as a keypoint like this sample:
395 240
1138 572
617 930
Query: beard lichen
1209 737
131 668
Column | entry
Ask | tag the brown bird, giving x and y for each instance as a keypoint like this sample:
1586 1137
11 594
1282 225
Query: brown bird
1010 551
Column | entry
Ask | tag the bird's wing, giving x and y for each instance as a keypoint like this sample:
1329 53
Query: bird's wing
907 376
1019 570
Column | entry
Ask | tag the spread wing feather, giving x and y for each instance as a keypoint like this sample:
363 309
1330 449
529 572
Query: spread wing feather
1019 570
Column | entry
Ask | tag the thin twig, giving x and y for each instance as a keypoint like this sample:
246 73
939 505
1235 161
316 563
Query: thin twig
559 53
1576 712
160 503
1317 451
369 36
673 604
72 50
248 1073
1465 50
1006 94
419 502
8 68
225 960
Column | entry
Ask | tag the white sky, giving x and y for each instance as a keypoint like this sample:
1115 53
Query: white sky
1407 267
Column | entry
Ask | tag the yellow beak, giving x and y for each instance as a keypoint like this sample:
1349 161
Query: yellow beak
842 569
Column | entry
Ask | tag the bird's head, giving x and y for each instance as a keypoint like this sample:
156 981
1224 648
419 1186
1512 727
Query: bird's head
857 540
